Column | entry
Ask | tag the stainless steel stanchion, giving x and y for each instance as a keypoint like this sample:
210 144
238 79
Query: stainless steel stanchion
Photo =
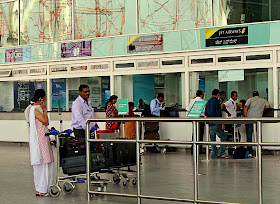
138 161
259 148
88 160
207 139
255 136
195 124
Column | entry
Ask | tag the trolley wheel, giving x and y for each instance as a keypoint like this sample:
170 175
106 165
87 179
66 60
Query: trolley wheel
126 182
55 190
134 181
68 187
116 178
163 151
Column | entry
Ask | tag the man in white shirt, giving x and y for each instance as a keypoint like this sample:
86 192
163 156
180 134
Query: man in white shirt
199 97
230 107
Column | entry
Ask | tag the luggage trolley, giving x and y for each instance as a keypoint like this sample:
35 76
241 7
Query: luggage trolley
118 157
70 180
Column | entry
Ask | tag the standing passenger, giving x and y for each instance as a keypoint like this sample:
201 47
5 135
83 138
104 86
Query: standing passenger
111 110
254 108
199 97
41 154
81 111
213 109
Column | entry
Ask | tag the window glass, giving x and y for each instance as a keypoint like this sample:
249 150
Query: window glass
228 12
65 91
173 15
45 21
16 95
254 80
104 18
9 23
147 86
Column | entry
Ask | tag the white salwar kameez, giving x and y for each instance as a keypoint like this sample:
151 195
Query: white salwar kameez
43 172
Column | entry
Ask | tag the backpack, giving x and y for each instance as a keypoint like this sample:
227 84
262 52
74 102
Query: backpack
147 111
239 153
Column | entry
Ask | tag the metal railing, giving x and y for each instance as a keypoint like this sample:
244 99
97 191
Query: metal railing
258 143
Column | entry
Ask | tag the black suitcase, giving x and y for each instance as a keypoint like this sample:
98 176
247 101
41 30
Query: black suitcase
109 154
131 153
77 164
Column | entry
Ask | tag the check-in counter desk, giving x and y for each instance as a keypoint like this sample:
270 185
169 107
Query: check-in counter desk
13 127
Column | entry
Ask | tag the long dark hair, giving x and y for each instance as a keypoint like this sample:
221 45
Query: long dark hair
39 93
110 100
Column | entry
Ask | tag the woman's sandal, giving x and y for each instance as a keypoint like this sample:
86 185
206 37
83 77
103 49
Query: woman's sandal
43 194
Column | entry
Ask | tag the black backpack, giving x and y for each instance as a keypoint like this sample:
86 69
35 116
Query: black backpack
147 111
239 153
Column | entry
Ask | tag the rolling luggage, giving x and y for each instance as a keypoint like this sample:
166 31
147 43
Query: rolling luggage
119 154
77 164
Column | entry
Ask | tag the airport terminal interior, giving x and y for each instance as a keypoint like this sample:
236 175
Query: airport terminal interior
139 50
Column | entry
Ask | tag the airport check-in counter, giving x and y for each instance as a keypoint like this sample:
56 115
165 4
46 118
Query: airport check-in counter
14 127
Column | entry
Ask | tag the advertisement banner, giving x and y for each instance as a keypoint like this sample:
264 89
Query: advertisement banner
76 49
226 36
145 43
59 94
196 109
18 55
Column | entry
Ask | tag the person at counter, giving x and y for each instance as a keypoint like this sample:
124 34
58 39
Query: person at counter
230 107
254 108
81 111
111 110
199 97
141 104
213 109
155 105
222 97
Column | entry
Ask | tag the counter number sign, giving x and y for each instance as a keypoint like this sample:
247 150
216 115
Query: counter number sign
196 109
123 106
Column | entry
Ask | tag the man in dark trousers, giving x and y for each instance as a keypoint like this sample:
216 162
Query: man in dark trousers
213 109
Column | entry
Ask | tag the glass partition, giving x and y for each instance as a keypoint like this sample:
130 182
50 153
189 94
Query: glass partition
9 23
65 91
45 21
104 18
251 80
228 12
16 95
173 15
147 86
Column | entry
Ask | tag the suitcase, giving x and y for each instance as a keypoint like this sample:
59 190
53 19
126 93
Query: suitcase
131 153
151 136
117 154
75 148
151 126
77 164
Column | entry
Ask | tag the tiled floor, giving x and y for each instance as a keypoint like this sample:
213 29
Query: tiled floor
168 175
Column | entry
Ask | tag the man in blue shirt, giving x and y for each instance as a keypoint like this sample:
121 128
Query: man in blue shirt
155 105
213 109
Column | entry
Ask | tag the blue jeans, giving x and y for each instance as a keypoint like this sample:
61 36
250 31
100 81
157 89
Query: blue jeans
213 130
249 133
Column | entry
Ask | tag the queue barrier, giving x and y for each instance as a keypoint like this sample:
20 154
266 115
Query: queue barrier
259 144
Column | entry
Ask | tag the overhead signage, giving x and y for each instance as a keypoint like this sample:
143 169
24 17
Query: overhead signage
18 55
145 43
231 75
196 109
76 49
123 106
226 36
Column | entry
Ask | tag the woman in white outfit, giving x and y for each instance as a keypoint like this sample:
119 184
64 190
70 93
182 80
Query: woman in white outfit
41 155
